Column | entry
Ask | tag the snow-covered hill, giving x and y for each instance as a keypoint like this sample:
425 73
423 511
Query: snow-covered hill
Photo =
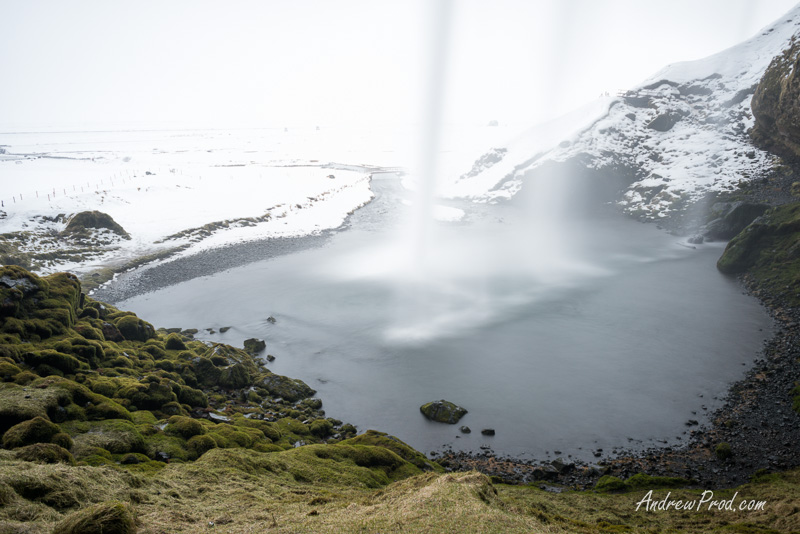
683 132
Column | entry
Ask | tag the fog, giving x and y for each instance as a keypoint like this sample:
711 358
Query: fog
97 64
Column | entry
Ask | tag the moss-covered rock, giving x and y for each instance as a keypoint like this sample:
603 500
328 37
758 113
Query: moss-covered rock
36 430
81 223
185 427
52 359
114 435
235 376
443 411
44 453
174 342
254 346
111 517
134 329
769 249
200 444
291 389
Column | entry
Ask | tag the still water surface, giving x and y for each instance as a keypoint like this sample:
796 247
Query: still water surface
595 333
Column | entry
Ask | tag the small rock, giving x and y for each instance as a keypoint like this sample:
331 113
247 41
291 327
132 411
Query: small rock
488 431
465 429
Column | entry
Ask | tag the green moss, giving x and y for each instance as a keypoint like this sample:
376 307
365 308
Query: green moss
200 444
270 430
723 451
65 363
143 417
107 409
610 483
321 428
207 373
769 249
287 388
643 481
172 447
185 427
111 517
62 439
134 329
8 371
381 439
44 453
192 397
115 435
36 430
174 342
235 377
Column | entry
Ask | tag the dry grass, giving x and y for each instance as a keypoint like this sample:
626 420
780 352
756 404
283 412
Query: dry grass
238 491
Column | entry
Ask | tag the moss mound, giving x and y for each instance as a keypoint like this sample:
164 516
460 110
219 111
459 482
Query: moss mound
111 517
36 430
45 453
81 224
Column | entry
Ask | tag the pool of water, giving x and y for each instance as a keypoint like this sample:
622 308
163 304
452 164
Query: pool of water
588 332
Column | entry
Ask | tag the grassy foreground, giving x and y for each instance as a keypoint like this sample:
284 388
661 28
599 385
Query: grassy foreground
305 490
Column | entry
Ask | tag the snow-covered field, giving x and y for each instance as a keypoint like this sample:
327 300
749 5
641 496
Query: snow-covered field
195 189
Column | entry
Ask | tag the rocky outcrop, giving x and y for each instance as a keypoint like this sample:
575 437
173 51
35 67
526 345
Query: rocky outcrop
443 411
776 105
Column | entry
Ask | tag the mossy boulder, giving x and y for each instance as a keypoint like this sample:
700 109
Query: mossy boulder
44 453
290 389
111 517
254 346
192 397
206 372
174 342
52 359
20 291
81 223
185 427
134 329
235 377
200 444
18 403
37 430
443 411
114 435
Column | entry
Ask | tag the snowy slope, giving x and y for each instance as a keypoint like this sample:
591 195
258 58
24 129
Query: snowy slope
683 132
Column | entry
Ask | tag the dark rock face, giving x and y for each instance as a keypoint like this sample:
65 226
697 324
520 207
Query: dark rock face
81 222
776 105
443 411
665 121
732 218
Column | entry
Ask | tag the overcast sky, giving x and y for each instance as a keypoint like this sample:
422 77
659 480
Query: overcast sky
98 63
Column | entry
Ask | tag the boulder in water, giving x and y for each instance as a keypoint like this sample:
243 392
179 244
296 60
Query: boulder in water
442 411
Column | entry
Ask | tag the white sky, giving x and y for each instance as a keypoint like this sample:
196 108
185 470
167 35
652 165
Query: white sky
99 63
